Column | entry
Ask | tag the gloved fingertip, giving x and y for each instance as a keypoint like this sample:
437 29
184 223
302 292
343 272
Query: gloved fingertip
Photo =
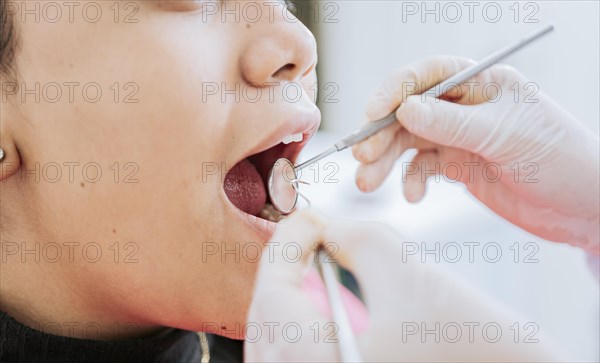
362 151
415 198
413 191
364 180
407 195
303 225
362 184
356 151
313 217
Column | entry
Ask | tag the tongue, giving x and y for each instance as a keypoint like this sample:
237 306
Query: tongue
244 188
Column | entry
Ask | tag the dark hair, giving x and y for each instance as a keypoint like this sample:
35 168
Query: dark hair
7 39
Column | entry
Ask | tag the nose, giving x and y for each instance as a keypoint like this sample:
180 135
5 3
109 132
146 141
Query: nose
279 50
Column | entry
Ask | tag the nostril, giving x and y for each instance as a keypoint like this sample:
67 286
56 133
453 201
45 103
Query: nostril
281 72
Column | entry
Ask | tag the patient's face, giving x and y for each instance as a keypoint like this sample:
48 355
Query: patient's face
187 92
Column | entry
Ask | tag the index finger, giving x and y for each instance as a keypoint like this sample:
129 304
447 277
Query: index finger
415 78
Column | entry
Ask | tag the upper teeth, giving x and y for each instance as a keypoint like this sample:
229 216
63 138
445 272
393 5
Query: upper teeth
292 138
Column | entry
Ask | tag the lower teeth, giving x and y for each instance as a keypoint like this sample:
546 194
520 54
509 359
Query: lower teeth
270 213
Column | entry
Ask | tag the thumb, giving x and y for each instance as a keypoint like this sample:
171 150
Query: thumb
287 254
443 122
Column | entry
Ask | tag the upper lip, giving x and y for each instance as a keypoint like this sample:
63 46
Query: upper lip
304 122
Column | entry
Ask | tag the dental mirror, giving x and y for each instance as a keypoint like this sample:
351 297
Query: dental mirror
283 178
283 186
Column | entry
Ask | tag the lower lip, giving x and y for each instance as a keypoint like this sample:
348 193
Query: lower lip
263 227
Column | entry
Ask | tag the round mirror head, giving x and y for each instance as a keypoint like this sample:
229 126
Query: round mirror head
283 186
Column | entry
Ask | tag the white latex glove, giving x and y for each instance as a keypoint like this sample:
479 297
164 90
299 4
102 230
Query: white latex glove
555 193
399 296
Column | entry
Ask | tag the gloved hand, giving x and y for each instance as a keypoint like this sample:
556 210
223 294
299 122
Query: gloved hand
516 150
403 300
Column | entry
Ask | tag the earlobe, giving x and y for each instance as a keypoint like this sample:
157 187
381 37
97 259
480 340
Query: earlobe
9 161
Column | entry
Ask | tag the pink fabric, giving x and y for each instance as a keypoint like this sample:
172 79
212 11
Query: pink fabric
358 315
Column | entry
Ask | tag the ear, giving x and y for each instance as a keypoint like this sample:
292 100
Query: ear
12 160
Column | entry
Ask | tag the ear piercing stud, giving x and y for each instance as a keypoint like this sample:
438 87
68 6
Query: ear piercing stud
1 154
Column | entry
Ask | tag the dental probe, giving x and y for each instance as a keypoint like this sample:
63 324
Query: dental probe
374 127
346 342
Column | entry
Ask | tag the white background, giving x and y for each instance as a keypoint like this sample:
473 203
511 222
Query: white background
369 40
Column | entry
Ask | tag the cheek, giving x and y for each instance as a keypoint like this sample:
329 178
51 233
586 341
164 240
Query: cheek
143 181
150 84
149 134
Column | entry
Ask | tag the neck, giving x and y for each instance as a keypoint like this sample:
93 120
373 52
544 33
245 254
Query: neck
39 296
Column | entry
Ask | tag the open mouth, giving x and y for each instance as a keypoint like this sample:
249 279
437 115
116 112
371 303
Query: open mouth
246 183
